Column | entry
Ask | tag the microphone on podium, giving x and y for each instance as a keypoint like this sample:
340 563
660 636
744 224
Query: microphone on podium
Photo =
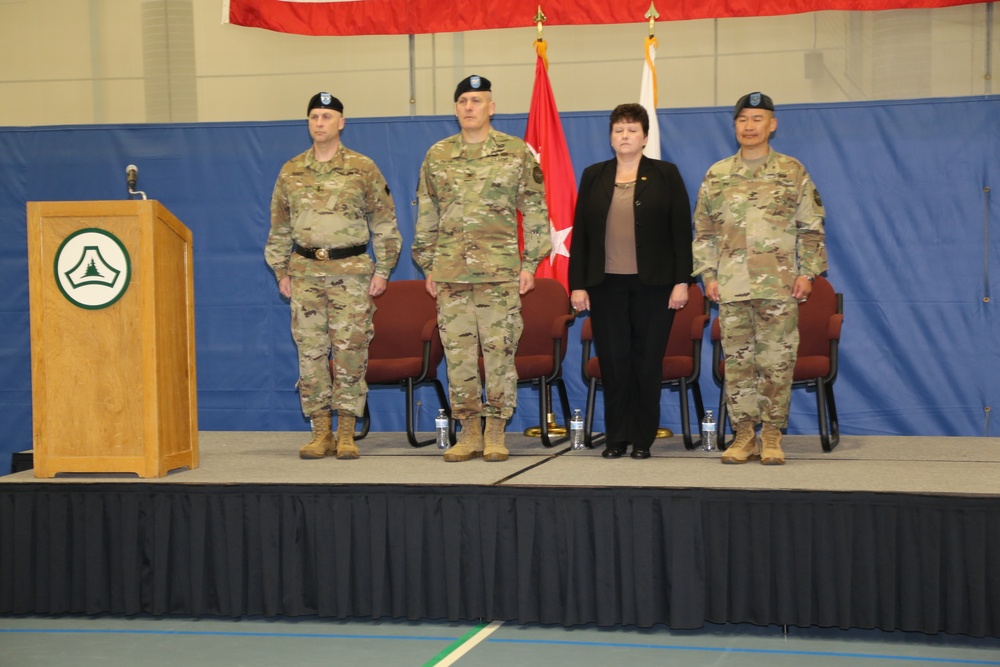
131 178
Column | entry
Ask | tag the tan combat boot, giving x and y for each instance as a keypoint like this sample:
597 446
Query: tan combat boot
322 443
495 449
770 438
470 442
346 449
744 447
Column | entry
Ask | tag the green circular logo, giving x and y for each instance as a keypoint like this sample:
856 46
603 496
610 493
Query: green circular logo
92 268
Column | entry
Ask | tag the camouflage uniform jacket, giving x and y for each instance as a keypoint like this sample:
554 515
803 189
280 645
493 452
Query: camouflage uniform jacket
755 232
320 205
467 203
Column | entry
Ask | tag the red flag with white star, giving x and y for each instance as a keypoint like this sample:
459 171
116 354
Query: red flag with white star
545 138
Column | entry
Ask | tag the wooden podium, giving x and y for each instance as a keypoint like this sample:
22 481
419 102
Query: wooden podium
112 338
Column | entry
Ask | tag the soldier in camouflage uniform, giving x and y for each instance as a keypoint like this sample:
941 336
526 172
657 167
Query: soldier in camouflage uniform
471 187
759 242
327 203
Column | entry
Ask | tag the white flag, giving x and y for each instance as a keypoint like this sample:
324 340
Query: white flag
647 98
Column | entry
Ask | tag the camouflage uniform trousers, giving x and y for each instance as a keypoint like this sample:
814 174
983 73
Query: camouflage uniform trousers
332 313
760 338
473 316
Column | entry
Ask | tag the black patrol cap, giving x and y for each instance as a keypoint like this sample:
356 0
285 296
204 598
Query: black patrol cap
324 101
753 101
475 82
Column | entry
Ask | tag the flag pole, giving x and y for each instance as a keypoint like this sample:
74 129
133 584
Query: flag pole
652 15
648 91
550 418
651 42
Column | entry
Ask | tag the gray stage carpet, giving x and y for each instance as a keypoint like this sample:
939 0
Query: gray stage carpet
918 465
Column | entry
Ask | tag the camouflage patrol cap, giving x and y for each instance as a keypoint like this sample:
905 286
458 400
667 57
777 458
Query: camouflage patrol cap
474 82
324 101
753 101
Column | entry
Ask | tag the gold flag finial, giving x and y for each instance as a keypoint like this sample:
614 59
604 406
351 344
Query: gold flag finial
652 15
541 47
539 20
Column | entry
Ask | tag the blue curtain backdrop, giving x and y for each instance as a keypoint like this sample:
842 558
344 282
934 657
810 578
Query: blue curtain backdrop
906 187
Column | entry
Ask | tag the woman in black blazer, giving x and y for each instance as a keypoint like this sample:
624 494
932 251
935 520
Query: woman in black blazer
630 265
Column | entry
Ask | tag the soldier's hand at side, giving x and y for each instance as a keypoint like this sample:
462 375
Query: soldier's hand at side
430 287
377 285
802 288
712 291
285 287
526 283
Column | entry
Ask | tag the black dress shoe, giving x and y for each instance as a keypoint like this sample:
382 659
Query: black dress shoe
639 453
615 451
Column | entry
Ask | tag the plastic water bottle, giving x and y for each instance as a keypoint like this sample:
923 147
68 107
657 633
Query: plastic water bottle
441 429
708 433
576 430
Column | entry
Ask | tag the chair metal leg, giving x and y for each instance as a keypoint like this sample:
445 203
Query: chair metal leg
411 428
824 398
564 399
443 402
588 418
699 405
550 418
544 407
366 422
699 408
686 415
723 419
832 412
543 411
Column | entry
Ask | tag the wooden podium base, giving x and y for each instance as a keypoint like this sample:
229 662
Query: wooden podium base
112 338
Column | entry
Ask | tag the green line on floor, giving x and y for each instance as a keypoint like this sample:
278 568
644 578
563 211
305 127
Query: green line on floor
463 645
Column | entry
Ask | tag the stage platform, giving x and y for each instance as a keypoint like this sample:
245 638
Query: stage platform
883 532
878 464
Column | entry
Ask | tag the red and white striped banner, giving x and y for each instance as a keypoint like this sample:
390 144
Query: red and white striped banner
401 17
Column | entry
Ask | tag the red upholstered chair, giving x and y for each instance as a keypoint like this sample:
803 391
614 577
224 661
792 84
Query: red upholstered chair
681 363
542 348
406 349
821 317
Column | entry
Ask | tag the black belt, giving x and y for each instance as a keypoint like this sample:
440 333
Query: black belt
332 253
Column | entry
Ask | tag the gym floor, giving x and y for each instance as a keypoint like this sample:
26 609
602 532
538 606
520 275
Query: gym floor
105 641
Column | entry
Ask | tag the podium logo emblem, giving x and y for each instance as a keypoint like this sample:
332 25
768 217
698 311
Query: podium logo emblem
92 268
